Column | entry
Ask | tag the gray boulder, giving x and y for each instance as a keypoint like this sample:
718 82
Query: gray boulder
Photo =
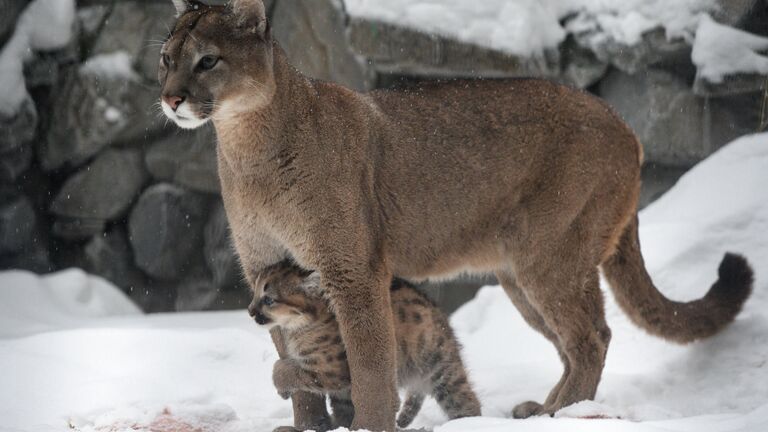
676 127
165 230
17 224
109 255
195 294
139 31
18 129
100 192
21 246
219 252
402 51
730 85
314 36
10 11
154 296
187 158
14 163
734 13
92 111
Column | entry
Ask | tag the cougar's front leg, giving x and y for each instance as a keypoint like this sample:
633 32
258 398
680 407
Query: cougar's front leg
309 410
359 294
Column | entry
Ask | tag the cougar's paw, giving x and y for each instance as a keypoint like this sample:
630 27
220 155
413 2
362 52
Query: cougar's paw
285 394
527 409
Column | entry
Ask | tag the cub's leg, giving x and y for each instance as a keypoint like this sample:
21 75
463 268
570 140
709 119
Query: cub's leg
410 409
343 410
450 386
570 302
309 411
535 320
289 377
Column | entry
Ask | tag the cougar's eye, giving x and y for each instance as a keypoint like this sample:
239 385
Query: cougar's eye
166 60
268 301
207 62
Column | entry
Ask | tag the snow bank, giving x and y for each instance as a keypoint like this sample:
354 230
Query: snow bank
212 371
528 27
720 50
31 304
44 25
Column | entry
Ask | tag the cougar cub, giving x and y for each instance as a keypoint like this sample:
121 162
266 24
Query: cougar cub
428 359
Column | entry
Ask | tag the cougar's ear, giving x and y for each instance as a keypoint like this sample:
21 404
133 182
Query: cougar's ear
251 15
182 6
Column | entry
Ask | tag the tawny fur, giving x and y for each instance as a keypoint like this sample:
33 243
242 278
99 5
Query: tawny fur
530 180
314 358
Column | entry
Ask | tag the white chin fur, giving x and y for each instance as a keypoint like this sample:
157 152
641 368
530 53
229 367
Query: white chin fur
183 116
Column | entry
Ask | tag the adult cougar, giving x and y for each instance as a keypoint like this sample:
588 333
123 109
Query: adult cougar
524 178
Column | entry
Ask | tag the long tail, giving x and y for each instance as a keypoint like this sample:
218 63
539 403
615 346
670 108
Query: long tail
680 322
411 408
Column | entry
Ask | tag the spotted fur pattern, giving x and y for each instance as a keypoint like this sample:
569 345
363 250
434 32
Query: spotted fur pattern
428 355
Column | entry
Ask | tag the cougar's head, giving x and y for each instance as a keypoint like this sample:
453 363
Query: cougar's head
216 63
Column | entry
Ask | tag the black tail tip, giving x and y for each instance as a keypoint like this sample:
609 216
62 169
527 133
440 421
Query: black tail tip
735 276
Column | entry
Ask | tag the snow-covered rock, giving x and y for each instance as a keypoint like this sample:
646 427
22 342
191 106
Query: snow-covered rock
43 25
136 30
728 60
95 107
613 29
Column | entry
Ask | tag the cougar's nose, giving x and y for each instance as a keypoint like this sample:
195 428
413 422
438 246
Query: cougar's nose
173 101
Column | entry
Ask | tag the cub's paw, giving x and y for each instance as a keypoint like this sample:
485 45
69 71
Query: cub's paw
284 377
286 429
527 409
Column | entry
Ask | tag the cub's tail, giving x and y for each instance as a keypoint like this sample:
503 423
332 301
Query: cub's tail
680 322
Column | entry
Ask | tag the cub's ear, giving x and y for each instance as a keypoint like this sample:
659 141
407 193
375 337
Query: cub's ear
311 284
251 15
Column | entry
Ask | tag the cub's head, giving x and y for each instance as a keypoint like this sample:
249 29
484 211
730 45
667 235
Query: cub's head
216 62
287 296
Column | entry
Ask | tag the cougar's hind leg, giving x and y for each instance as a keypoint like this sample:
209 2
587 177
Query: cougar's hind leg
535 320
570 302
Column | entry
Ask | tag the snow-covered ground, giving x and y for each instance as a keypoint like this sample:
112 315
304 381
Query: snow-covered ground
76 355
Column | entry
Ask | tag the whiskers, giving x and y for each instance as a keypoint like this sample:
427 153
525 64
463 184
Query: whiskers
157 109
259 87
210 108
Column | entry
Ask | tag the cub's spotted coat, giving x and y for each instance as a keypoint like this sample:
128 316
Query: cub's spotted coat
315 360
